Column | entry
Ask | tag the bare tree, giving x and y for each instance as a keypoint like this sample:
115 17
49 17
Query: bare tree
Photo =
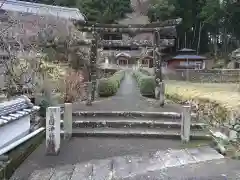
25 66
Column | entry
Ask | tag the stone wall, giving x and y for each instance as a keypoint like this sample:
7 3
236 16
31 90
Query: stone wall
221 121
213 75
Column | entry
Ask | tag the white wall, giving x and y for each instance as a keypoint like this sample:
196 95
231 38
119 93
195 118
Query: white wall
14 131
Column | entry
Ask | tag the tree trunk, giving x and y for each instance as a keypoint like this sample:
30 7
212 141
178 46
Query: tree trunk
201 25
185 41
215 46
178 43
194 35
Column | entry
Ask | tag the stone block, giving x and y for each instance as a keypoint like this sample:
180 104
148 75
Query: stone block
186 123
53 131
67 120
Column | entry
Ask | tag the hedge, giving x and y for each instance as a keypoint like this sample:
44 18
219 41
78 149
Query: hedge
146 83
109 86
144 71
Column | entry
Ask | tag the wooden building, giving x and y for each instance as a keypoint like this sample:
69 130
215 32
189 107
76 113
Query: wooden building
187 59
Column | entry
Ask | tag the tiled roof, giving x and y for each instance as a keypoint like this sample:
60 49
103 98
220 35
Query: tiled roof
15 109
187 50
189 57
123 54
42 9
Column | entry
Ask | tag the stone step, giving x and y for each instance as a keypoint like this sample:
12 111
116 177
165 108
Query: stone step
122 122
196 171
137 132
133 114
128 167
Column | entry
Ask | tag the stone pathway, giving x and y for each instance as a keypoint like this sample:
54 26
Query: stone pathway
128 98
127 167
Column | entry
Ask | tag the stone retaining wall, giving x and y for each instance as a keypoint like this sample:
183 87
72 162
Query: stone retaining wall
213 75
217 117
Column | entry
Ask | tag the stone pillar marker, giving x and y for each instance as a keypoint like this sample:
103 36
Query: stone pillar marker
186 123
232 121
53 131
67 121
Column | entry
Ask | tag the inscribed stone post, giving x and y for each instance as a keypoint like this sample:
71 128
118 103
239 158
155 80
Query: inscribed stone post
67 121
186 122
53 131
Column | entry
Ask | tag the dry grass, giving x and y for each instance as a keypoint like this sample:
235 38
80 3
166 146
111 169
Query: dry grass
225 94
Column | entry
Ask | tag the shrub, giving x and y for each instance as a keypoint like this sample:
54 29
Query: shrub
144 71
146 83
109 86
74 86
44 104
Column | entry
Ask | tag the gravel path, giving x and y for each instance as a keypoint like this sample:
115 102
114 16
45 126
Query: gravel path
128 98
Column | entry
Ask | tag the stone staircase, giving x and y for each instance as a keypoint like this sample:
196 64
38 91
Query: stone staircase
133 124
129 167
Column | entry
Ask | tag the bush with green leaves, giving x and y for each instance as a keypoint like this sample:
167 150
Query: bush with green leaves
144 71
146 83
44 104
109 86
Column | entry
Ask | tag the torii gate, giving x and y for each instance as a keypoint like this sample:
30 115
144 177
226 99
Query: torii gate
160 30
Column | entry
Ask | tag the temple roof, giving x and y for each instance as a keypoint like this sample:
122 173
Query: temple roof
187 50
42 9
194 57
15 109
123 54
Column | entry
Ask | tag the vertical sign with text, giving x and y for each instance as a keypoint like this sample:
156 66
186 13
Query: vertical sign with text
53 131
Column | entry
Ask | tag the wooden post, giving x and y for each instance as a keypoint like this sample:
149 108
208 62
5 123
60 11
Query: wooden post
53 131
186 123
67 121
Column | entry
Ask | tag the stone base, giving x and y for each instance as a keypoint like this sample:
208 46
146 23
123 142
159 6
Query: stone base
52 153
67 136
89 94
88 103
160 93
157 93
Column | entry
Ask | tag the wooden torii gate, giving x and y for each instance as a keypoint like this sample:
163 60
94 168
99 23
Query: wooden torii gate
160 30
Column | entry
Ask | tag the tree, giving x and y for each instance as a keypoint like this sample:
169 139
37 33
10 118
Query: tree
160 10
210 16
25 64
